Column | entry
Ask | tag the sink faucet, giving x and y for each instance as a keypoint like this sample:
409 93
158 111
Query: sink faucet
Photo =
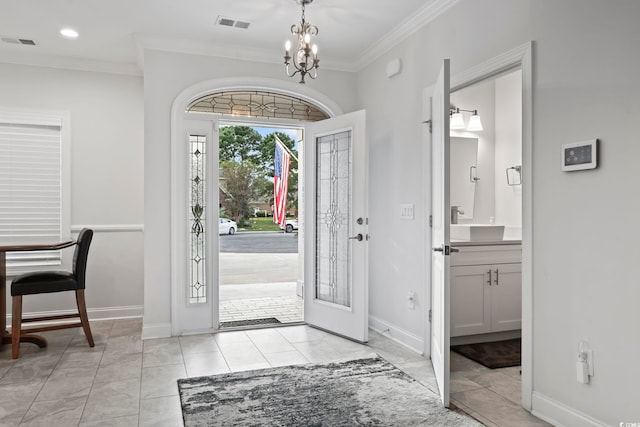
455 211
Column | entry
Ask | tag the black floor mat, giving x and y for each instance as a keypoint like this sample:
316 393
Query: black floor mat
498 354
250 322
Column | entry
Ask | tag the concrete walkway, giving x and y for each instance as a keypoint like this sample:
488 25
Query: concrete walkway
259 301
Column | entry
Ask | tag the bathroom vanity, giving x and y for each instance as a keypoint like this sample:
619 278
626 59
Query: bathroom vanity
486 287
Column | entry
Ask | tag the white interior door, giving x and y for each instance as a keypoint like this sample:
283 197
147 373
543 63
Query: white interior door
335 226
440 291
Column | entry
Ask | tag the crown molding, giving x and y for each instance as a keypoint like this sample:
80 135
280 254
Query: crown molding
69 63
429 12
220 50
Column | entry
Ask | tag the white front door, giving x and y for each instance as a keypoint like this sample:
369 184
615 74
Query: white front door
335 226
440 292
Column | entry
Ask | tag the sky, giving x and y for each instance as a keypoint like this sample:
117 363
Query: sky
267 130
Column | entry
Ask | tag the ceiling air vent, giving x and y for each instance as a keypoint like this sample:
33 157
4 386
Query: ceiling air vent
230 22
16 40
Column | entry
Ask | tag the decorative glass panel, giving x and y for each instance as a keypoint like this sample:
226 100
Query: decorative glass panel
197 283
333 224
258 104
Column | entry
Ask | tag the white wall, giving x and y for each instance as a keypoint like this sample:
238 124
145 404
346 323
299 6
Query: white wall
166 75
106 176
585 254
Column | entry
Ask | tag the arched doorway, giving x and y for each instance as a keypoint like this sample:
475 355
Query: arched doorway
196 116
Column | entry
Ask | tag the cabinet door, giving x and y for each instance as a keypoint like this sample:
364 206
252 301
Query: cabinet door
506 297
470 300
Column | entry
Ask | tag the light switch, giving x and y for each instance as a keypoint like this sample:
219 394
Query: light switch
407 211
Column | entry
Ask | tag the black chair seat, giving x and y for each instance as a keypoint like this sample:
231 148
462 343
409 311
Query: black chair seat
43 282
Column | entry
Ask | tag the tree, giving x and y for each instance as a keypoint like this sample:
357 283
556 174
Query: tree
240 144
241 183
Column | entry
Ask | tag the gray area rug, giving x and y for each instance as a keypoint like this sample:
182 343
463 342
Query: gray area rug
362 392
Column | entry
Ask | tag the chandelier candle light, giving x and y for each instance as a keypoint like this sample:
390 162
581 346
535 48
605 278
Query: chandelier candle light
305 57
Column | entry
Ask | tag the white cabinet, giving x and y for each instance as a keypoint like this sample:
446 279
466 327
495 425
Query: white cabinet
486 297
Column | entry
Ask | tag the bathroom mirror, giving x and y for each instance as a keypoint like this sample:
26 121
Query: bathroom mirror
463 172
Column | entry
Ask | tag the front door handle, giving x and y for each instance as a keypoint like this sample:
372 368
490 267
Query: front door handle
357 237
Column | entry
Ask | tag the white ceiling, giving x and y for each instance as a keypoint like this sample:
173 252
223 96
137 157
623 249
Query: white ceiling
112 32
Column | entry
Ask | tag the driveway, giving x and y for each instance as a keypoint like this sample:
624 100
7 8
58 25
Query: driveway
258 258
266 242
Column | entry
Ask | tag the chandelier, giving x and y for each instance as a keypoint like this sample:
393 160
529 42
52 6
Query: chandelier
305 57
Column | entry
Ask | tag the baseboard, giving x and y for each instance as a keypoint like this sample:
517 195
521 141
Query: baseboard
399 335
559 414
156 330
104 313
115 312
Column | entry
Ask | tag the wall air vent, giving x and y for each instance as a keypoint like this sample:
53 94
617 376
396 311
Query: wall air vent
230 22
17 40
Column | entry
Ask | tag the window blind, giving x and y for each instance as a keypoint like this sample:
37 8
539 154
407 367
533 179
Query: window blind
30 188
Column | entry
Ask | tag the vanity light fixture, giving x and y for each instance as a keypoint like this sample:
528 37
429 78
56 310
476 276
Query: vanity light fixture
457 120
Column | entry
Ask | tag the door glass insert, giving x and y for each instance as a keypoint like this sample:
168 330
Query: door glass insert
333 218
197 222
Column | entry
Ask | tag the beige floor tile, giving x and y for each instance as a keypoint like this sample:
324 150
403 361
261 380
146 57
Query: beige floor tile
16 398
286 358
112 400
66 412
161 381
69 383
161 412
204 364
194 344
126 421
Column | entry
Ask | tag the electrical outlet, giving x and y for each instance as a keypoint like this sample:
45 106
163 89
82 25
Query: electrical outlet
407 211
411 296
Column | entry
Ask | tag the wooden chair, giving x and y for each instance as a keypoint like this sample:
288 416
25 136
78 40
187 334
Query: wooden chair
42 282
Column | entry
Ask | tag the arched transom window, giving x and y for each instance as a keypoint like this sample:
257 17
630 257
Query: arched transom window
258 104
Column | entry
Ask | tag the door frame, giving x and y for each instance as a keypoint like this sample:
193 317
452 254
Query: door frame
178 230
519 57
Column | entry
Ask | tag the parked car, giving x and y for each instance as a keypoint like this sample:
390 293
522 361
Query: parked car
290 225
227 226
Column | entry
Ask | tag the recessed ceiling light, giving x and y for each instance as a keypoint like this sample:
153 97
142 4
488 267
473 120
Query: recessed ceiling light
69 33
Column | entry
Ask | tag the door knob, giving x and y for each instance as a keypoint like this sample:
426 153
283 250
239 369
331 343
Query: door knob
357 237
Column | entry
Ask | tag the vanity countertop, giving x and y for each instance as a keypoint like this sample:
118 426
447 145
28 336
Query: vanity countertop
458 243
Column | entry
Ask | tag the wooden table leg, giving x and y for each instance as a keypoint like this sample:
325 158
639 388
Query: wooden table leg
3 298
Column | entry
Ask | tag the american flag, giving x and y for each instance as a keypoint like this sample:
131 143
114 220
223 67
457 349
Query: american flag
280 184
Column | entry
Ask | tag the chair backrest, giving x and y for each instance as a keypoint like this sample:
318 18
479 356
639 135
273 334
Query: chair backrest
80 256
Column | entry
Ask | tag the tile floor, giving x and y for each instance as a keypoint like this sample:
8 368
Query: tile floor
492 396
124 381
